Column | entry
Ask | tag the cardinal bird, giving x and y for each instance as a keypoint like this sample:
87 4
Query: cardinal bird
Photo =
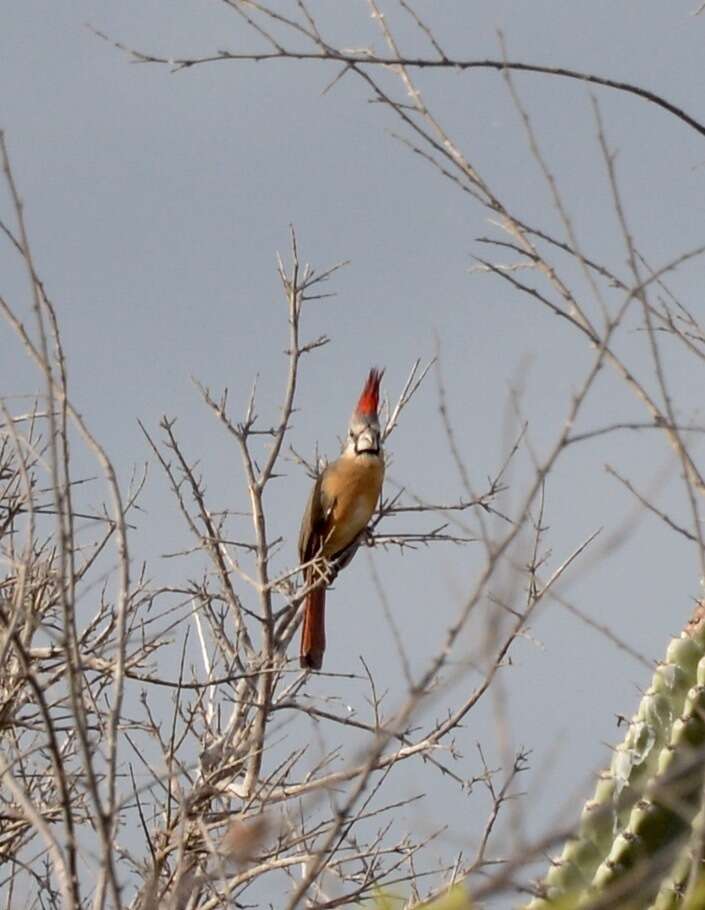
338 511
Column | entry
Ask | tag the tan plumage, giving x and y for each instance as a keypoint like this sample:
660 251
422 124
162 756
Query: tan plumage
339 509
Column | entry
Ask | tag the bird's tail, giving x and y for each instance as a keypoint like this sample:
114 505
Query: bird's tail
313 632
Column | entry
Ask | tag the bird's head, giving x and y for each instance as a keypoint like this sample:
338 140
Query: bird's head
364 436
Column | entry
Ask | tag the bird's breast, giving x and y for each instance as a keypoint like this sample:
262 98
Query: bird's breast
350 489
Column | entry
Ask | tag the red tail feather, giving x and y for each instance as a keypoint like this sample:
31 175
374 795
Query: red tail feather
313 633
369 400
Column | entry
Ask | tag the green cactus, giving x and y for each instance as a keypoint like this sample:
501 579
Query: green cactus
674 889
640 844
631 847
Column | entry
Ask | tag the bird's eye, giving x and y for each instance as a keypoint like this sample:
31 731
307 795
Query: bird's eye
351 434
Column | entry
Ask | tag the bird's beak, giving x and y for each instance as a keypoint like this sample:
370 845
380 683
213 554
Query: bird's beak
367 441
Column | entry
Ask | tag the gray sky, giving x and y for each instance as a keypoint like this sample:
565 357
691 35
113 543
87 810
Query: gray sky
157 202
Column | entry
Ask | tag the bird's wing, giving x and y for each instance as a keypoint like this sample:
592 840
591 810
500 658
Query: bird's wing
313 524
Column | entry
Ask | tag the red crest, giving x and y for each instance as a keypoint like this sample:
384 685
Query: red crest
369 400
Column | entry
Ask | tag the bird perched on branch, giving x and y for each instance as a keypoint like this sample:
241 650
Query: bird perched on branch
338 511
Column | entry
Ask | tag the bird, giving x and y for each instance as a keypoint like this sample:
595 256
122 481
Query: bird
338 512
